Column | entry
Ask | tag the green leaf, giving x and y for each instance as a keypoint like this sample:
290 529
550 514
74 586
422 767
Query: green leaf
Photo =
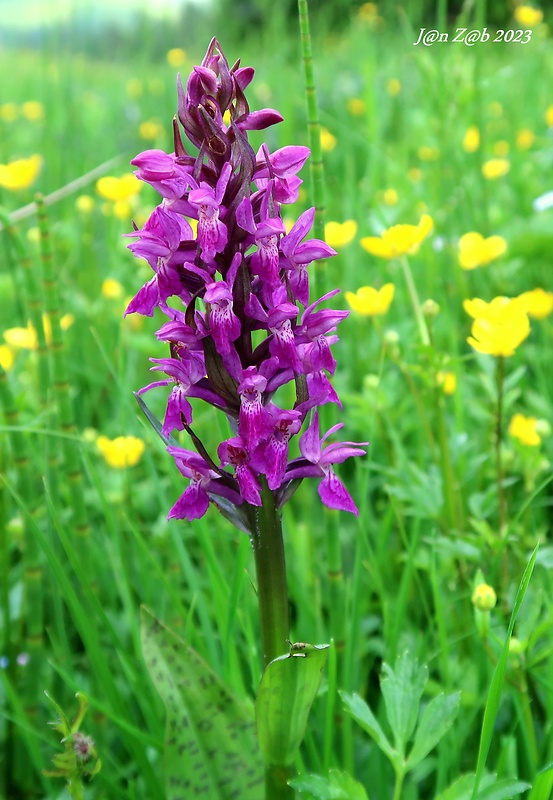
364 717
402 688
285 696
543 784
434 723
490 788
210 745
337 786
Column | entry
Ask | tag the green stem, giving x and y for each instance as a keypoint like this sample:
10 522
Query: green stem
453 505
313 124
400 775
270 567
500 380
276 786
415 302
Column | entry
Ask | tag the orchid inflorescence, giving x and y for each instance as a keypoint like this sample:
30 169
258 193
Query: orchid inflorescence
251 276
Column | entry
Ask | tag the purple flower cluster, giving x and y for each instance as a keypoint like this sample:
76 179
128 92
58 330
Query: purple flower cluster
235 329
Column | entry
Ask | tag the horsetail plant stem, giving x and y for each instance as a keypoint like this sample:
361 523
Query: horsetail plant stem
313 123
33 305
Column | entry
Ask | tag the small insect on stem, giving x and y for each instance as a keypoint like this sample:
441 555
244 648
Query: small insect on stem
300 649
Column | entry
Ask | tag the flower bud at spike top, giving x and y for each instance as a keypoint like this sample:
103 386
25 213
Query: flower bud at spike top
484 597
232 284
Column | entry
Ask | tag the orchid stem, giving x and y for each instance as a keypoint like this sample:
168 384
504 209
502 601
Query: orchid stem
415 302
270 567
272 598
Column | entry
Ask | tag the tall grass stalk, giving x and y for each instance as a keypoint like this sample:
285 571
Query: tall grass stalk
31 638
62 387
500 384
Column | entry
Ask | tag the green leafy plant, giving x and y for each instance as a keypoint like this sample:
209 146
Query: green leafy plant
402 688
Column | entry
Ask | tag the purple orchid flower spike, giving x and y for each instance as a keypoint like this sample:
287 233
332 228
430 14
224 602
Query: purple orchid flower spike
235 296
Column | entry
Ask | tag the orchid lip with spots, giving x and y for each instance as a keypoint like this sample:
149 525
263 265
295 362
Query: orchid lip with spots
239 275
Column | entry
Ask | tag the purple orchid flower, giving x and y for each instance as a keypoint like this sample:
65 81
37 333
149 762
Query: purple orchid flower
297 255
331 490
163 173
234 452
194 501
212 232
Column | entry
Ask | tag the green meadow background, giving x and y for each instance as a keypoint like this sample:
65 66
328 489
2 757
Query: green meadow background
85 543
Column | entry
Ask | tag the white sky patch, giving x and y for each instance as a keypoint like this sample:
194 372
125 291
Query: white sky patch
41 13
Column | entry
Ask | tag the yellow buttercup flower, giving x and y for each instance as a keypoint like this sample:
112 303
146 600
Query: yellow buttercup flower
393 86
328 140
476 251
495 168
549 116
448 382
371 302
33 110
368 11
7 357
499 326
414 174
525 139
121 452
525 430
20 174
390 197
21 338
112 289
399 240
84 203
339 234
528 16
66 321
9 112
356 106
176 57
151 129
428 153
471 139
115 189
538 303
